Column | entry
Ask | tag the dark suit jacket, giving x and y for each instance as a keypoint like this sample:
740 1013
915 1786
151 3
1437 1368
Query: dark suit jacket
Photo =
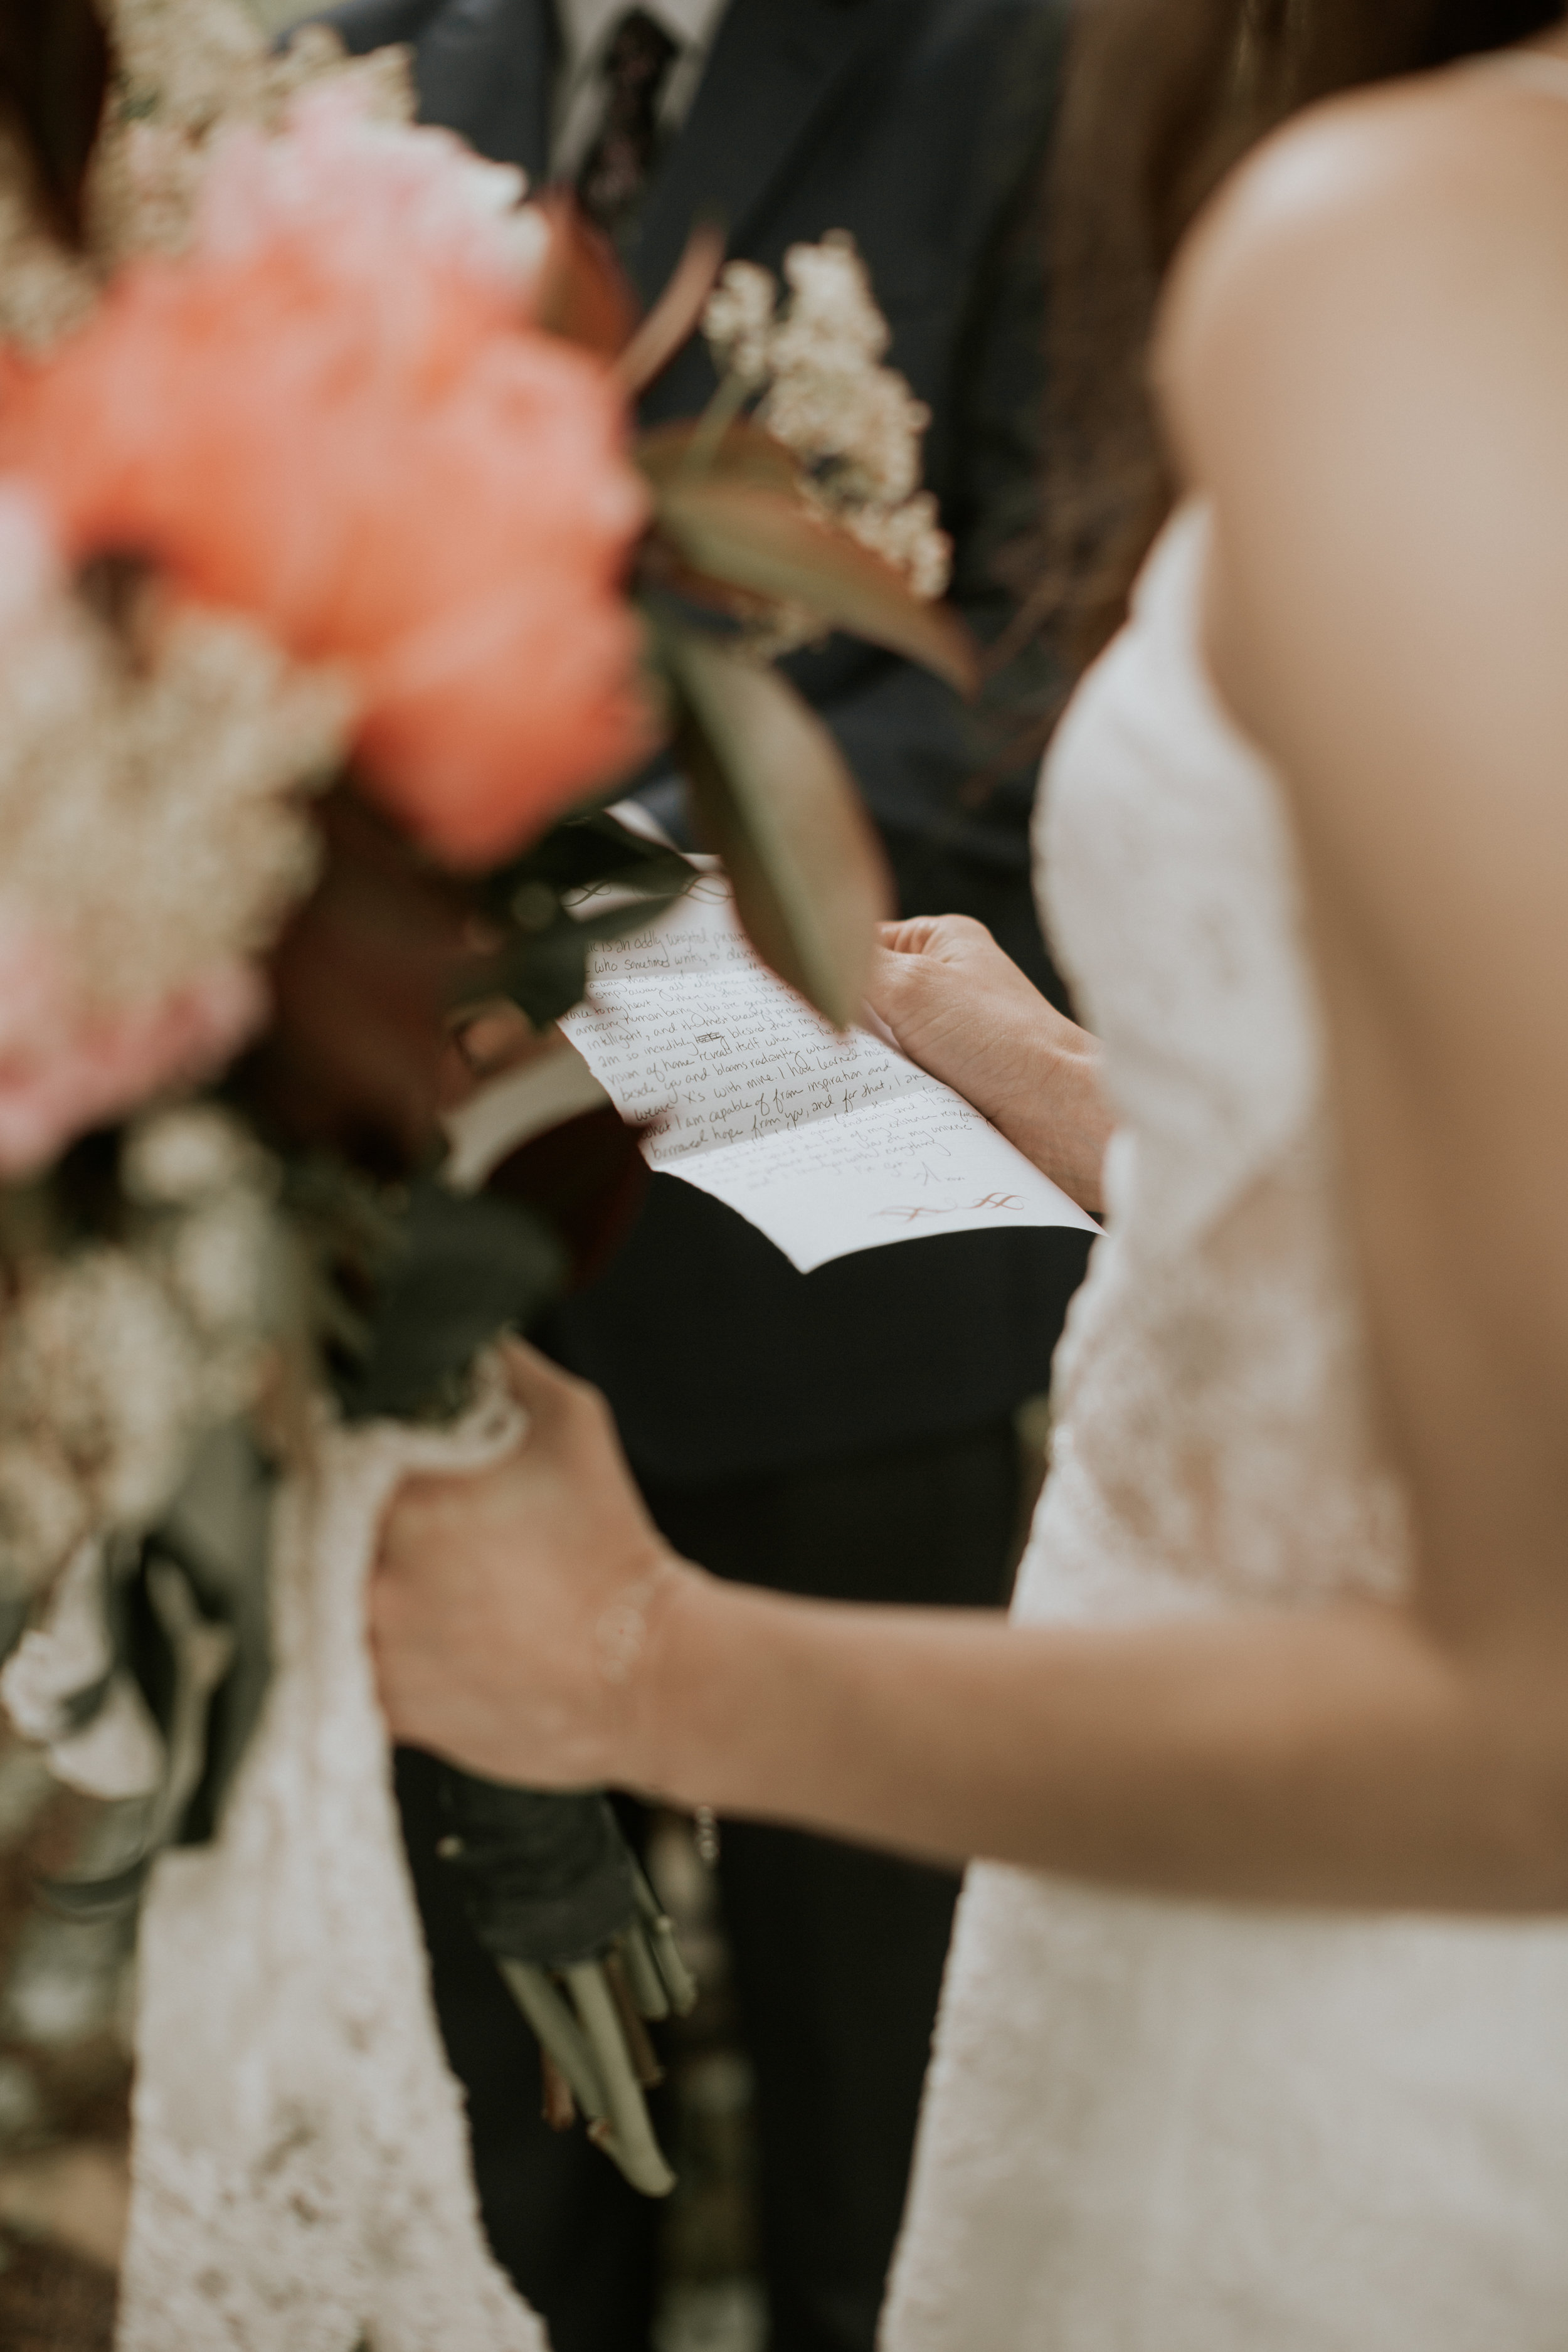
920 126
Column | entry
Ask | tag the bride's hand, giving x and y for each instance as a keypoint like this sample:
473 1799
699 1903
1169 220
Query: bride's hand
511 1610
960 1007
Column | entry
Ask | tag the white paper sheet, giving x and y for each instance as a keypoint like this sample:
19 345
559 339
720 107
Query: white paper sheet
828 1143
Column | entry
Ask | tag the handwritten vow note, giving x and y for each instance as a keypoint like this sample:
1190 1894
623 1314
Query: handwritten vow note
828 1143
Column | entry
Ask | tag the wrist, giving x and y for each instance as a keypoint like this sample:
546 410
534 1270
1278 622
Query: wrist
1053 1108
646 1660
698 1694
1074 1127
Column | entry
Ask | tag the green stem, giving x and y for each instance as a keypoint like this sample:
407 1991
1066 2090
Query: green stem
715 421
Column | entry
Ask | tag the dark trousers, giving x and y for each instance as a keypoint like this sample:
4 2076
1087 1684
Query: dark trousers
838 1953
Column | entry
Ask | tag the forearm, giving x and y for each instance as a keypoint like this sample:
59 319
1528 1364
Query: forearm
1344 1758
530 1624
1043 1090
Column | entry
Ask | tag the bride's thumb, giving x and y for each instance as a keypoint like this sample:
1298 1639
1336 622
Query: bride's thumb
547 1394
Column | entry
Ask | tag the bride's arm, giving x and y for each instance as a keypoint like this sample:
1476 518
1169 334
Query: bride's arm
531 1625
1364 365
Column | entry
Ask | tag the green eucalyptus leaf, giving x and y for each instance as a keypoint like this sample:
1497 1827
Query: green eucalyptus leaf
620 922
586 851
546 972
465 1266
15 1610
744 453
550 916
765 543
780 807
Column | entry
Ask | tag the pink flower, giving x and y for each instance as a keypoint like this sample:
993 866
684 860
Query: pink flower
64 1069
332 416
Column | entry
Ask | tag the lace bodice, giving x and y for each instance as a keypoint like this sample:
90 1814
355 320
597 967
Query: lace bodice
1213 1411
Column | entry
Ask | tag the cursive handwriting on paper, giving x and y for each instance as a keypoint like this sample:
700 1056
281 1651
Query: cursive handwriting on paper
809 1132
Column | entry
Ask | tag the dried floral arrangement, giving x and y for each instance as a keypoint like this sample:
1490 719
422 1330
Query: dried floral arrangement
298 778
810 372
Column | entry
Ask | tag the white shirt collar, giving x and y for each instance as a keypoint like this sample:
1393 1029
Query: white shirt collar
585 30
585 24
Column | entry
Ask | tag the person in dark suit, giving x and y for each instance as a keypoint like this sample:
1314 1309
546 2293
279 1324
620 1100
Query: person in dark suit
848 1433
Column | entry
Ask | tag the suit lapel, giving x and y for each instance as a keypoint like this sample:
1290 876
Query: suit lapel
486 67
775 65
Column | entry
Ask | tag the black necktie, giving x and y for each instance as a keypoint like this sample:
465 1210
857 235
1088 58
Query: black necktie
617 167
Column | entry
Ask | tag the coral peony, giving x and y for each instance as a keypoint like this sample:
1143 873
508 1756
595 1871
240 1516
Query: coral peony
333 414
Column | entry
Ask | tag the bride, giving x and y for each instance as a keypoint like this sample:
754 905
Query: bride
1256 2030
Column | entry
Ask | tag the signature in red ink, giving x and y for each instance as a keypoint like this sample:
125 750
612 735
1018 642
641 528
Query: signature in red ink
956 1208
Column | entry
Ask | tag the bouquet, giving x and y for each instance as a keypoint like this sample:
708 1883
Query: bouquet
338 600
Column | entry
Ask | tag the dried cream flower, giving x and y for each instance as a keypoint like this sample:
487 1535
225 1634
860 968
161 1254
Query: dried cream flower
44 291
833 321
814 369
122 1376
45 1512
739 321
150 812
213 1262
182 1156
910 538
117 1358
187 70
190 69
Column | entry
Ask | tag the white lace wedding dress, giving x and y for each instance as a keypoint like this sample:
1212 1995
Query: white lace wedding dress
301 2180
1174 2127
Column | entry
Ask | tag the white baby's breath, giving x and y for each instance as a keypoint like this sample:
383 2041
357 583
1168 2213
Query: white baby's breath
739 321
44 1509
185 70
184 1156
814 367
189 73
151 808
117 1357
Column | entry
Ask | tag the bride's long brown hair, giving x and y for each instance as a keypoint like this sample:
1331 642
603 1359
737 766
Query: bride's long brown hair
1162 97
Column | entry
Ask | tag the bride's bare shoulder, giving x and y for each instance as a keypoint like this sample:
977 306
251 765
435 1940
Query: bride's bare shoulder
1386 228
